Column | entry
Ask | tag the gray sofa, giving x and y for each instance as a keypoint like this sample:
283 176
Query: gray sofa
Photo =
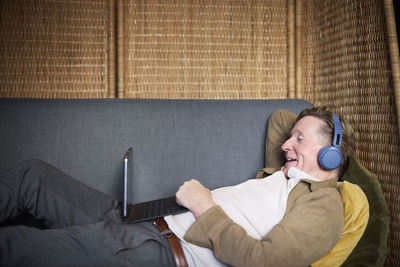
219 142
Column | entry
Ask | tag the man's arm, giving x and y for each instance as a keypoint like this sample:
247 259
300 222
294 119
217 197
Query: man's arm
279 126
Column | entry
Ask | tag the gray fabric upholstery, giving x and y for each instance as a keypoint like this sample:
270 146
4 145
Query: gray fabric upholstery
219 142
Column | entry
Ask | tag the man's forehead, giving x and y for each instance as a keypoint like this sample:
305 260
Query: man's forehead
308 123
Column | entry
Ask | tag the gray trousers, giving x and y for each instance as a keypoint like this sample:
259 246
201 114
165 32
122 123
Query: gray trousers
84 225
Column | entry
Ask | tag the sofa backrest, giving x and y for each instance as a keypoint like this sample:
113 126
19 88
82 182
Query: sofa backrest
219 142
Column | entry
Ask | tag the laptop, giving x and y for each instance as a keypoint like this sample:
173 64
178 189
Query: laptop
149 210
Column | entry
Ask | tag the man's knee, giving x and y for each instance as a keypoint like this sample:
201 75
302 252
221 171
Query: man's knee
36 163
33 168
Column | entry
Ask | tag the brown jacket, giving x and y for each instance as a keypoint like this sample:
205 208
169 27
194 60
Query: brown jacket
311 226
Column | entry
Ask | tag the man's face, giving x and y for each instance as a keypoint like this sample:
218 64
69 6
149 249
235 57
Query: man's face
301 149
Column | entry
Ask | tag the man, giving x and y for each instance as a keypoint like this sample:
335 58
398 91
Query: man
86 229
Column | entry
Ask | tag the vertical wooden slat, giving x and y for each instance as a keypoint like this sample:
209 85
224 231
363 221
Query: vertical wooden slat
111 49
291 50
394 53
121 49
298 47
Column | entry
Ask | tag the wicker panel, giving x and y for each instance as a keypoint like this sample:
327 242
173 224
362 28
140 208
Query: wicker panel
346 66
204 49
55 48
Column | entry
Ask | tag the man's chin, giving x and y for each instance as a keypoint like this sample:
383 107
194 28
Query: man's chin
285 170
289 165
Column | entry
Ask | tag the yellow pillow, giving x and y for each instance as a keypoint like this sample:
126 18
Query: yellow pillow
356 214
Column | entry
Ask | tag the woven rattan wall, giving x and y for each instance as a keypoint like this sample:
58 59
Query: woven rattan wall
215 49
57 48
202 49
346 66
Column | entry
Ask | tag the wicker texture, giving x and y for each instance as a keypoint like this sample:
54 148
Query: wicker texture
346 66
203 49
332 52
55 48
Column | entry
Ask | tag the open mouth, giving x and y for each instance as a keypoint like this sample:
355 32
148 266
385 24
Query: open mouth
290 160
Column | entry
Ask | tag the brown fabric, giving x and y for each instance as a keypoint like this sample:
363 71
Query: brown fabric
180 258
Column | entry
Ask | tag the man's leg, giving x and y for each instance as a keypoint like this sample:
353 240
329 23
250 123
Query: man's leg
105 243
51 196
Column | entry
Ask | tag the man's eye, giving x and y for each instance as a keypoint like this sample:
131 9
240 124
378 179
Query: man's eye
300 138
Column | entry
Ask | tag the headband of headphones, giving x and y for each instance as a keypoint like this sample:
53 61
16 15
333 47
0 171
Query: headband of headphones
337 131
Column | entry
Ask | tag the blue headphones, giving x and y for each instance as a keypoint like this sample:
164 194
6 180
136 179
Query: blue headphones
330 157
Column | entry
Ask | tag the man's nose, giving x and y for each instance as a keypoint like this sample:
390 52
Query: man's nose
287 145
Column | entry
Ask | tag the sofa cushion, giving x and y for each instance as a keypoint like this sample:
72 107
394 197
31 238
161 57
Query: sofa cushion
372 248
356 215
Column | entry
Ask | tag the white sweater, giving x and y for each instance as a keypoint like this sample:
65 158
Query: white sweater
257 205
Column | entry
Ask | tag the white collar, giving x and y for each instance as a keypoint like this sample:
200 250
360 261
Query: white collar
295 173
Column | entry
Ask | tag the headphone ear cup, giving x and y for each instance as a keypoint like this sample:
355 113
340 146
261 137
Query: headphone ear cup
330 157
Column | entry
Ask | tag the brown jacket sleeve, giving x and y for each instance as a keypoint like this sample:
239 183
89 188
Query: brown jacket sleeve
279 126
312 225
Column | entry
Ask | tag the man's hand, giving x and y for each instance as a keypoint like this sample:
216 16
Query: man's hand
194 196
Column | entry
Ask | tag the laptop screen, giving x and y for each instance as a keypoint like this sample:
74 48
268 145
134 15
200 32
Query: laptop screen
128 171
